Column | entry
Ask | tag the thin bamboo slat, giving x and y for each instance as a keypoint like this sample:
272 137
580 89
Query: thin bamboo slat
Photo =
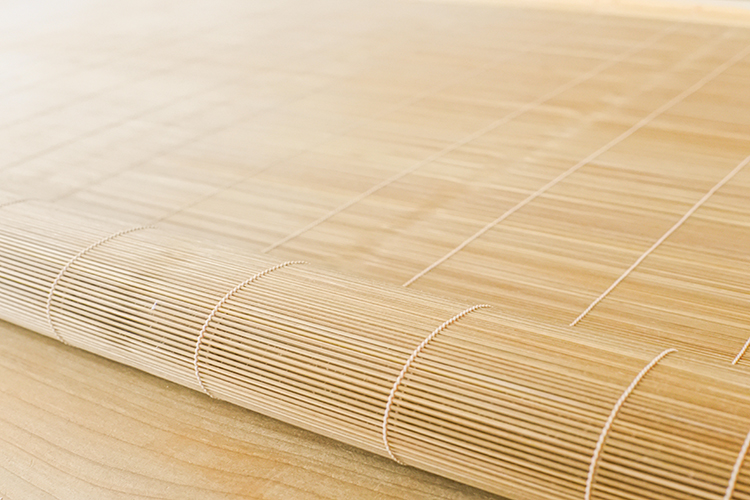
520 409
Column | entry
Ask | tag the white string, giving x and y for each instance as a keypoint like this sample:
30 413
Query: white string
617 140
611 419
360 123
215 310
661 240
741 353
736 470
62 272
474 135
405 369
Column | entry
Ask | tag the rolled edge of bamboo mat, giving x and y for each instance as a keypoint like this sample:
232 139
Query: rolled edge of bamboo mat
522 410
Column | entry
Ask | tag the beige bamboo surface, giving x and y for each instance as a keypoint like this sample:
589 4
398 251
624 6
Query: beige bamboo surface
511 407
723 12
532 156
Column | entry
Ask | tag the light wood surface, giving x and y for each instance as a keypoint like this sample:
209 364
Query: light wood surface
373 139
75 425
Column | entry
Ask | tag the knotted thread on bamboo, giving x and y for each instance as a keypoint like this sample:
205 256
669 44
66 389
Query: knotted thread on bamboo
405 369
612 416
202 334
72 261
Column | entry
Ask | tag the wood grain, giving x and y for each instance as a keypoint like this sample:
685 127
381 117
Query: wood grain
75 425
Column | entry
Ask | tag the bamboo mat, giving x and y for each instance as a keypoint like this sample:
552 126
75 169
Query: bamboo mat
581 172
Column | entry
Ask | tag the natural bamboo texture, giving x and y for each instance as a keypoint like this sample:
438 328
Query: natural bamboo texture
523 410
581 170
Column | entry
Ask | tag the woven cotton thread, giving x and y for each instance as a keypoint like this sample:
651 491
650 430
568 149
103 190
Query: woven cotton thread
614 142
741 353
204 329
666 235
736 470
405 369
479 133
611 419
70 263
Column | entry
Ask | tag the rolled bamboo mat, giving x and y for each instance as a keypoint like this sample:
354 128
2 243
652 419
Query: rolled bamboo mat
520 409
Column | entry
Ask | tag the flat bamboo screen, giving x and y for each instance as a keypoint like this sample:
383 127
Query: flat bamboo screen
509 246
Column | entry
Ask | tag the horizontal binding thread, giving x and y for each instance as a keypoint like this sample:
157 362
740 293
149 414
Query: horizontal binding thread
72 261
215 310
405 369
